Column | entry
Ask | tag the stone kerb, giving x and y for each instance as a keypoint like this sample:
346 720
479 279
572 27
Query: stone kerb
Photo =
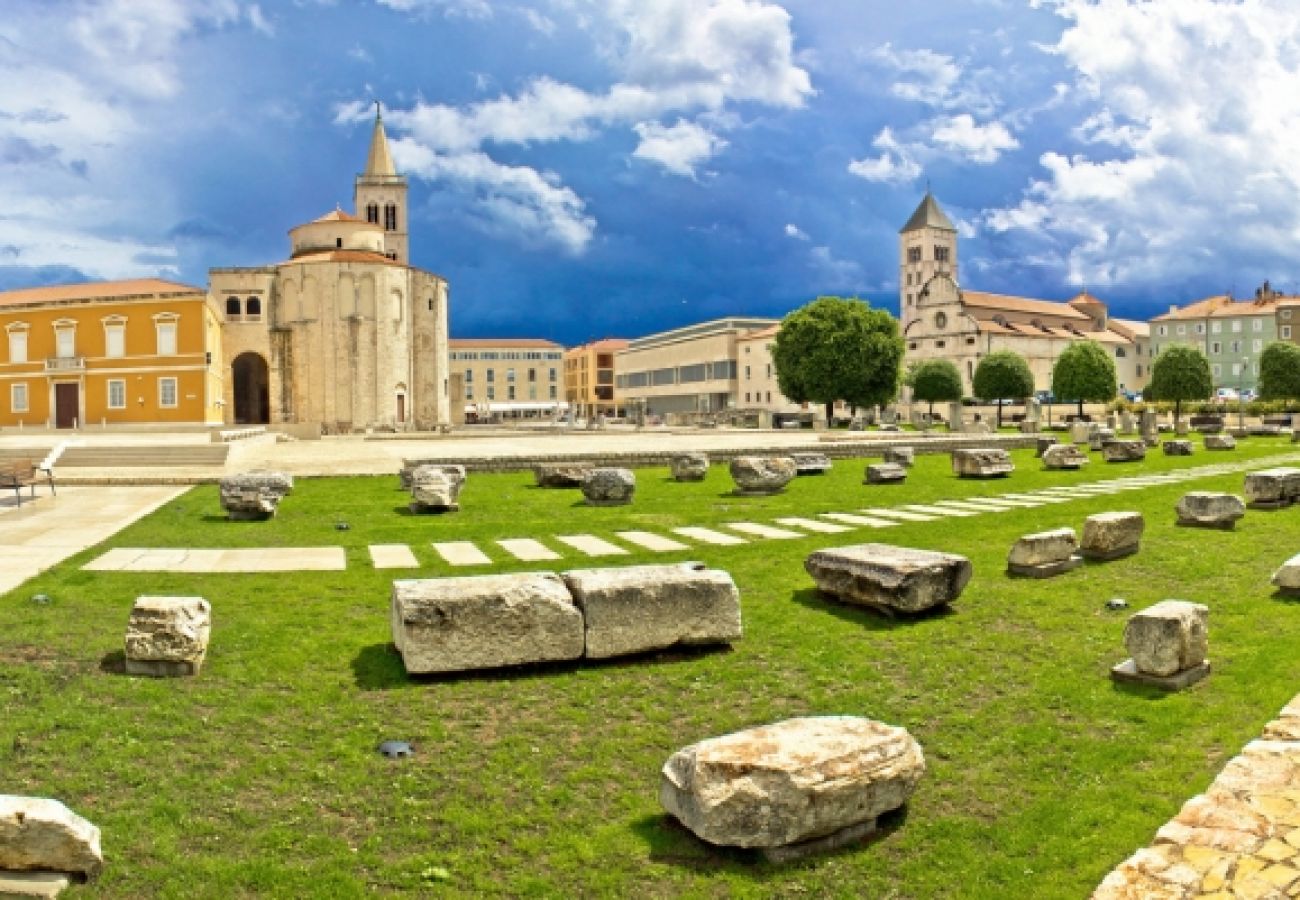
1112 535
608 487
41 839
1208 509
792 788
167 636
889 579
1272 488
1045 554
1123 451
982 462
1168 644
253 496
761 475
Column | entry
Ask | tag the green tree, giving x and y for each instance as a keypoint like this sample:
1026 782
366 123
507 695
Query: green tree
836 348
1279 372
1181 372
1003 375
1084 373
935 379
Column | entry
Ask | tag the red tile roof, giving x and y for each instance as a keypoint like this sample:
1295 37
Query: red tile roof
97 290
478 343
994 302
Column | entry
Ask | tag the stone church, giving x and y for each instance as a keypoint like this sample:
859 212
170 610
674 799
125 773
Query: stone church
345 333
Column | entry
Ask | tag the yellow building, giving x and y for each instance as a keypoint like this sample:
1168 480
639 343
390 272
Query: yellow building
110 353
589 378
507 378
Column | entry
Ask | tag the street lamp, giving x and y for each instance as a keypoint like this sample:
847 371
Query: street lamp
1241 395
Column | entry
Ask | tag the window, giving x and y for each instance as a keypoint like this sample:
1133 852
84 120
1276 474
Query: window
114 340
532 375
552 375
469 392
18 344
1285 314
1286 331
1162 330
1139 371
1235 347
909 299
491 376
510 376
1200 328
390 217
914 254
232 306
1216 347
372 213
552 392
469 376
167 338
1216 327
940 254
769 370
492 392
1236 369
1216 370
1256 324
167 393
747 373
532 392
254 306
970 342
940 320
510 392
769 396
1119 353
1257 345
746 396
909 284
18 397
65 339
911 345
939 344
116 394
1236 324
1182 329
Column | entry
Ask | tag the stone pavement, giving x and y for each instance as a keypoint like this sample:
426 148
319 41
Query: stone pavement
42 533
1240 840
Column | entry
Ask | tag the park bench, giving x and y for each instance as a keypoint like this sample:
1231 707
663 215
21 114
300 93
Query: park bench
20 473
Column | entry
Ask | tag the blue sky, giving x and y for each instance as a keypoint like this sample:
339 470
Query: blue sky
590 168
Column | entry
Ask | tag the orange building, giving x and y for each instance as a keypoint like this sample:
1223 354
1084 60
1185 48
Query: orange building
144 351
589 377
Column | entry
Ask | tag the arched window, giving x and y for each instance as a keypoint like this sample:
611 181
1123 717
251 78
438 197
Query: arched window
253 307
232 306
1119 352
372 213
390 217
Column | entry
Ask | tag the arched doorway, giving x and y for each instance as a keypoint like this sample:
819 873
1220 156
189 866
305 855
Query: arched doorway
252 392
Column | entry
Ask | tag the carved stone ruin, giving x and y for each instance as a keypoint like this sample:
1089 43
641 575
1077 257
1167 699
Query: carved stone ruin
167 636
1207 509
1167 643
1045 554
889 579
982 463
1112 535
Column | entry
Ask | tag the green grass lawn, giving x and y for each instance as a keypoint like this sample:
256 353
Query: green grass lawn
260 776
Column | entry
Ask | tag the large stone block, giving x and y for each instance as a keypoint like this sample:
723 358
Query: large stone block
762 474
609 487
1123 451
1169 637
436 488
560 475
1045 553
1178 448
485 621
1207 509
1043 443
1220 442
253 495
1099 437
167 636
1272 488
632 609
690 467
986 462
903 456
792 781
888 578
811 463
1064 456
1111 535
885 473
1287 578
1079 432
39 834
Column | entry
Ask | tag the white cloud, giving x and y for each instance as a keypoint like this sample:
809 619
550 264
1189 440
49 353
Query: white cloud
679 148
1195 117
978 143
896 165
835 273
468 9
794 231
929 77
259 21
538 22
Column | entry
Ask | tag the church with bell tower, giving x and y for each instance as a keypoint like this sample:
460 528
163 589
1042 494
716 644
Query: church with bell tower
379 196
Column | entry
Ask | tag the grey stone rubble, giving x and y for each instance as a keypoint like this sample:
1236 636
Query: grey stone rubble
690 467
436 488
1112 535
608 487
1123 451
758 475
462 624
1064 456
40 835
1099 437
561 475
1287 578
1178 448
903 456
1045 554
1272 488
253 496
638 608
982 463
1043 444
793 787
884 473
1167 644
410 465
1079 432
168 636
1209 509
811 463
1220 442
888 578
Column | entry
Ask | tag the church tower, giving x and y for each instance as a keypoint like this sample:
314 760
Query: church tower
927 246
380 194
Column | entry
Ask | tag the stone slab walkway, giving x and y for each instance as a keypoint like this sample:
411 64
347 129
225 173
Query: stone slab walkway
527 549
1240 839
650 541
230 560
393 556
461 553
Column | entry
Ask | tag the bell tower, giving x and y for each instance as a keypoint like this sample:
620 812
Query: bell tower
380 194
927 246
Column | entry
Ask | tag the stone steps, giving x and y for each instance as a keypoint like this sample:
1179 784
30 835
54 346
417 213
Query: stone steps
162 456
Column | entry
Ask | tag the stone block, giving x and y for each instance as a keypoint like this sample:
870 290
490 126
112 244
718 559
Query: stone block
436 488
690 467
633 609
903 456
253 496
1079 432
811 463
1099 437
1123 451
1127 672
560 475
756 475
1272 488
1178 448
167 636
1287 578
780 785
1112 535
1064 456
608 487
1042 445
1206 509
42 835
885 473
485 621
982 463
1170 637
1220 442
1044 554
18 885
888 578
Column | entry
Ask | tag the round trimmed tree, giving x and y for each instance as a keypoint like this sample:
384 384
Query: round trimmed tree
1084 373
1279 372
1003 374
1181 372
935 380
835 348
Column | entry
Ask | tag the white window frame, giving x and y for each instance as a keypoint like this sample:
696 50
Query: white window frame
18 342
1216 328
1236 325
119 383
1256 324
114 326
1162 330
1200 328
162 393
1257 345
166 323
1216 370
1216 348
65 338
1286 331
1182 329
19 390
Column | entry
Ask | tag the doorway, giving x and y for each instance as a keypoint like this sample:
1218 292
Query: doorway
67 405
252 390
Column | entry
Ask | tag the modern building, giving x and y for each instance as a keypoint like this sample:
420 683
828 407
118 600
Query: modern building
135 352
344 333
508 378
589 378
1231 333
941 320
1288 320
